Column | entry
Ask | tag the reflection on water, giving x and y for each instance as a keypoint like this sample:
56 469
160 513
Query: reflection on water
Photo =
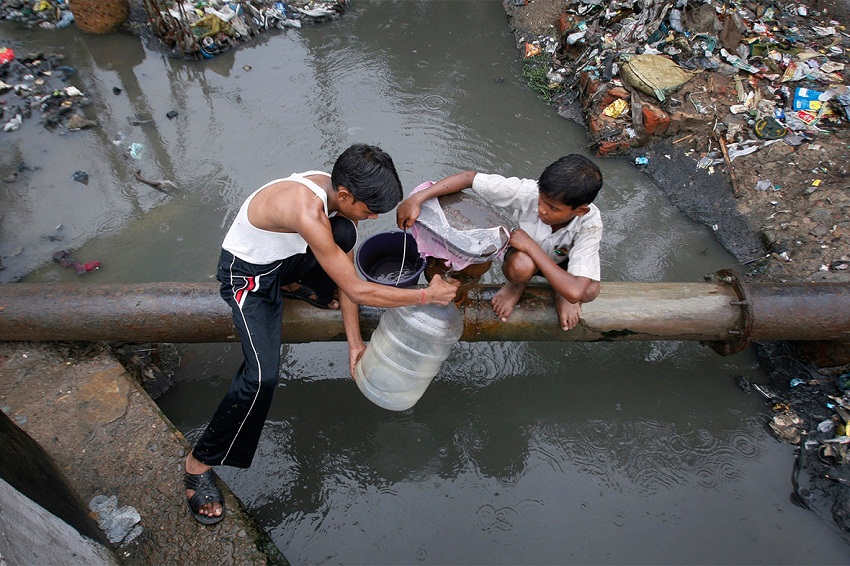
547 461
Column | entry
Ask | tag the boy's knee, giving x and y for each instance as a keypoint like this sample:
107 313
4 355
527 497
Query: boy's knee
268 384
518 266
344 233
591 292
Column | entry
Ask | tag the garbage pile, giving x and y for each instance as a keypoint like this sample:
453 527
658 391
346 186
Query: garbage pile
811 409
755 91
44 14
194 30
38 83
759 71
207 28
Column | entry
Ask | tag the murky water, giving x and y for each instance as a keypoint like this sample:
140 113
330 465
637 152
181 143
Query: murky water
518 452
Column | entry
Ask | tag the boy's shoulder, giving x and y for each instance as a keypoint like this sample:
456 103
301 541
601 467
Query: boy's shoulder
503 177
592 220
495 181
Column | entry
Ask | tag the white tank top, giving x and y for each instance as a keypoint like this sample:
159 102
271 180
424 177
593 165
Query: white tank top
251 244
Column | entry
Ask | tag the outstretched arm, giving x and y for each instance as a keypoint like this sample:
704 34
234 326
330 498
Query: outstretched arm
408 210
315 228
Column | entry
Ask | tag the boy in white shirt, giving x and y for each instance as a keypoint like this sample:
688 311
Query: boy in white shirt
557 234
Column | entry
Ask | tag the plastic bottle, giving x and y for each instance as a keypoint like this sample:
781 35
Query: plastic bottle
676 20
406 352
66 19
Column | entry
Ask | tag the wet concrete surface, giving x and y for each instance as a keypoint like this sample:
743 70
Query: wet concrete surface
109 438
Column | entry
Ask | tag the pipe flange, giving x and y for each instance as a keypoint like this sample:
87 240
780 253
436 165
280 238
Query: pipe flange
738 338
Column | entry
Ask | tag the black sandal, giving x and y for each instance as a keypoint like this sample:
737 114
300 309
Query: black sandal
206 491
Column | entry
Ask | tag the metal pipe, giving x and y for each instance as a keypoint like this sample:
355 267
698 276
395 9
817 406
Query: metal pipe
726 315
780 312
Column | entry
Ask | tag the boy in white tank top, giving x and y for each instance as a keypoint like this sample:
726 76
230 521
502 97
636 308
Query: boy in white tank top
298 229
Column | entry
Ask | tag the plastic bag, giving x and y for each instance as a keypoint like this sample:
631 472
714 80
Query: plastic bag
654 75
435 237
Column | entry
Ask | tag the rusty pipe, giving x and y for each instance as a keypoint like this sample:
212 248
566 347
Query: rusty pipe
716 312
780 312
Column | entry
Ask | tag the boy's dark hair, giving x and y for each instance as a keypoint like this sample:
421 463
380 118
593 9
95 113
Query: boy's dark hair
573 180
369 173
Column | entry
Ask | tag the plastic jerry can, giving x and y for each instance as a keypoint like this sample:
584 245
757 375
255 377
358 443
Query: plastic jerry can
406 352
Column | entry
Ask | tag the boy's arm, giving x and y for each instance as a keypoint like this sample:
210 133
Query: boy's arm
569 286
315 228
351 322
408 210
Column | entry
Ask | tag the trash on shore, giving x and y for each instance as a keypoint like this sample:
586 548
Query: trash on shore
813 413
752 60
121 525
39 83
207 28
787 425
65 260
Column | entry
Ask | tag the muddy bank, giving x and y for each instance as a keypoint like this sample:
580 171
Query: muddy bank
778 194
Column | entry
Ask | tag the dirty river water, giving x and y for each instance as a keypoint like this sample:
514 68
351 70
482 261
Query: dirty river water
518 453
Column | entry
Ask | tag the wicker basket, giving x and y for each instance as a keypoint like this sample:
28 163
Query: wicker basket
99 16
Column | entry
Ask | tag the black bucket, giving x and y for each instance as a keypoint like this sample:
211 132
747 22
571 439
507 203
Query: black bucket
379 259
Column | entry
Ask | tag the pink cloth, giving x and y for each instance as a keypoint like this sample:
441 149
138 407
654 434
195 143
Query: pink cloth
435 237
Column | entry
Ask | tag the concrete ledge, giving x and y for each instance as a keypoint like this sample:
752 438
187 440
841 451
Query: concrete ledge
38 537
109 438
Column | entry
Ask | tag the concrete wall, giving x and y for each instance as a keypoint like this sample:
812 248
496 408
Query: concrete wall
42 519
31 535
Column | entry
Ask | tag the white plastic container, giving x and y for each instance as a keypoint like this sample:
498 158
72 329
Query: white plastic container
406 352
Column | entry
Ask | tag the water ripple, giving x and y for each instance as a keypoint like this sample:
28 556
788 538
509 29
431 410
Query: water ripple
706 476
549 453
744 444
662 351
507 524
656 456
483 363
433 102
107 223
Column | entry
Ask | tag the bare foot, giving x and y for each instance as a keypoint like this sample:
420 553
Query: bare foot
193 466
568 313
506 299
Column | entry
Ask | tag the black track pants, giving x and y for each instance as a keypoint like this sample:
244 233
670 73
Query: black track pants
253 293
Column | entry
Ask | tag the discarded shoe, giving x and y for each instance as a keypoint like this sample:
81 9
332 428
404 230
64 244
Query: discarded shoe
65 260
206 491
87 267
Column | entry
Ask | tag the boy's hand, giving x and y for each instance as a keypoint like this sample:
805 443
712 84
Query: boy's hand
407 213
442 291
355 352
521 241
